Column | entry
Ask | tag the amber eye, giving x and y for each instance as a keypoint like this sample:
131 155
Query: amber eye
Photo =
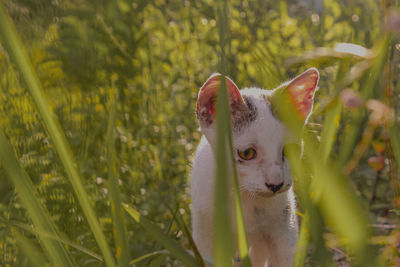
247 154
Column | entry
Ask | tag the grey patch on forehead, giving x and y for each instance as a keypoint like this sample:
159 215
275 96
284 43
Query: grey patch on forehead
242 117
267 99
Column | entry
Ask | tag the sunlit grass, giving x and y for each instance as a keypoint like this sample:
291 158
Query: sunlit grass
140 131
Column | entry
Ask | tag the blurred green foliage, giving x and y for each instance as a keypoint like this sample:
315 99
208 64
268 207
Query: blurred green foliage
152 56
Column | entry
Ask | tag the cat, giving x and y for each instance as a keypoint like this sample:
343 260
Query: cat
268 200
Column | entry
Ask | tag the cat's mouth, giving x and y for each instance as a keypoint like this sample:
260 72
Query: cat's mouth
267 193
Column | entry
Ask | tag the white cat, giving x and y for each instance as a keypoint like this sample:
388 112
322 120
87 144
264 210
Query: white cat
265 182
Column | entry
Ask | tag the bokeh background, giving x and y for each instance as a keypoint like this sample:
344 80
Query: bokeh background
151 57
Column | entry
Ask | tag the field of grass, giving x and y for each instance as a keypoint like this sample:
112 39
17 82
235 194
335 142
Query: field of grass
98 127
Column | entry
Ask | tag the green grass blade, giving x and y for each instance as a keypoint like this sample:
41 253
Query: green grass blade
302 242
243 245
195 250
148 255
311 230
223 241
120 232
336 202
368 85
395 137
56 252
59 239
340 207
22 62
223 234
34 255
169 243
331 126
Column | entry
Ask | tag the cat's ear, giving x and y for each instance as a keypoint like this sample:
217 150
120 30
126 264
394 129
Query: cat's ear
298 93
207 95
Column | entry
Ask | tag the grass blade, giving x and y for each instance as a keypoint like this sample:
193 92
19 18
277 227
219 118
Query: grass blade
328 135
59 239
148 255
302 243
370 82
223 241
336 202
56 252
120 232
21 60
311 229
170 244
225 168
395 138
34 255
195 250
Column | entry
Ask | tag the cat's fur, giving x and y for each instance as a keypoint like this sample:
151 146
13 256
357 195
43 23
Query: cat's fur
270 217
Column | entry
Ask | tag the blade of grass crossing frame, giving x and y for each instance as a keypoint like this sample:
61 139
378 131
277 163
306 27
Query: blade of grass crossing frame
243 246
395 131
368 85
328 135
31 252
199 259
148 255
223 241
395 137
23 64
302 242
340 208
173 246
335 200
332 118
311 230
56 252
59 239
120 232
223 234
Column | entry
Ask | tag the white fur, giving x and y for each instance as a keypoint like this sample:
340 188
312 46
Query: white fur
270 219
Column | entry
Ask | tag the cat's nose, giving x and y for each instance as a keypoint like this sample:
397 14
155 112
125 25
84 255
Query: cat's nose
274 188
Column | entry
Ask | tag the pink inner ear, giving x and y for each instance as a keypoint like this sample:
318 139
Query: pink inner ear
207 94
301 92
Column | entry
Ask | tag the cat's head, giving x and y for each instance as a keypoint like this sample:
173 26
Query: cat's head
258 133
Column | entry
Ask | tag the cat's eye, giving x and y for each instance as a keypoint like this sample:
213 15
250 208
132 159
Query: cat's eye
247 154
283 155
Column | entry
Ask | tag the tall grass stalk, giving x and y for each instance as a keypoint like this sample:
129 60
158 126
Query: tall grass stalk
224 251
369 83
329 191
120 232
56 252
18 54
